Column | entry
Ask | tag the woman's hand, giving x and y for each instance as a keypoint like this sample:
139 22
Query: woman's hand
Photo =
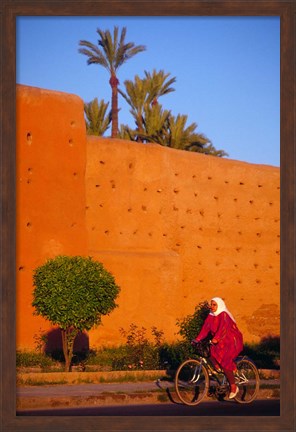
214 341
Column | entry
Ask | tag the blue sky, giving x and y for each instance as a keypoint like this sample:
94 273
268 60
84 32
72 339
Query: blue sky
227 71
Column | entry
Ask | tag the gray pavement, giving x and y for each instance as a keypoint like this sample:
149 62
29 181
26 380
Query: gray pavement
112 393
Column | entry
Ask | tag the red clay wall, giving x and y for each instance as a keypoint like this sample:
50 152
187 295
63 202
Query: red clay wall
51 162
175 228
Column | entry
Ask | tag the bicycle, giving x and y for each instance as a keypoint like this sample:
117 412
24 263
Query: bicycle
194 377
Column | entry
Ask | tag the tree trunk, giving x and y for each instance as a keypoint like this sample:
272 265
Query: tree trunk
114 105
68 338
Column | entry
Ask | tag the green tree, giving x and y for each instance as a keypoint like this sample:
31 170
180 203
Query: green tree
97 119
159 86
141 94
191 325
111 53
180 136
73 292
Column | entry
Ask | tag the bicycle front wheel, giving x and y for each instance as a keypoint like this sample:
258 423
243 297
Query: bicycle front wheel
247 380
191 382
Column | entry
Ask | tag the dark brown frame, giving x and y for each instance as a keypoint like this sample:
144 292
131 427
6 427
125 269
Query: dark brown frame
286 11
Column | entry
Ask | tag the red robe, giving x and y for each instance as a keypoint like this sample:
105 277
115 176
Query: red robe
230 339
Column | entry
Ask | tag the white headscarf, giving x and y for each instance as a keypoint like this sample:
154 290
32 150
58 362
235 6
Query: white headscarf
221 308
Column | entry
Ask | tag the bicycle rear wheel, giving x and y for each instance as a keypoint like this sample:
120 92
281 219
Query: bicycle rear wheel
191 382
247 380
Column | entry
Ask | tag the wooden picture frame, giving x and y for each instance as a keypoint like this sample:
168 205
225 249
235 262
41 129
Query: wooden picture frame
286 11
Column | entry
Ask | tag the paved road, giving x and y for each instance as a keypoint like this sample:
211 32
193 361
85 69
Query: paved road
227 408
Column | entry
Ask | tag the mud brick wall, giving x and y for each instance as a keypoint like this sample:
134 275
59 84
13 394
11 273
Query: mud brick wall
50 170
175 228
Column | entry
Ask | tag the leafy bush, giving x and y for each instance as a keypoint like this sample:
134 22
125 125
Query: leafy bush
33 359
140 352
266 353
191 325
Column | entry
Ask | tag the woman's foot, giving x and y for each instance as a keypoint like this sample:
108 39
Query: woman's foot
233 391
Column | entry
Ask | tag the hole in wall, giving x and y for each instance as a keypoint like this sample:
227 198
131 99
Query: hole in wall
29 224
130 165
102 162
21 268
29 138
73 123
144 208
70 142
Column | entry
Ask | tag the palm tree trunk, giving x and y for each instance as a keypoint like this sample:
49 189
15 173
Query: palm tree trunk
114 105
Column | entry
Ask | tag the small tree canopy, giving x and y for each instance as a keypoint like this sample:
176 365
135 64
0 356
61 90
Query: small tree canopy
74 291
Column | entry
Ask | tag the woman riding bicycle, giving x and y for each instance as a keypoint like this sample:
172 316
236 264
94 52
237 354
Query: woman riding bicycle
226 343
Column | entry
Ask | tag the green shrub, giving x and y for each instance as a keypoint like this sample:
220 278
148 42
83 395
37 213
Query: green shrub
265 354
33 359
191 325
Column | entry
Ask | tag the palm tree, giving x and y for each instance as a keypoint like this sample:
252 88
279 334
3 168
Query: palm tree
144 92
97 119
111 53
137 96
158 85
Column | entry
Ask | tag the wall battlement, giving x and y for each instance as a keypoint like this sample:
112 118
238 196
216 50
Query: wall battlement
174 227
